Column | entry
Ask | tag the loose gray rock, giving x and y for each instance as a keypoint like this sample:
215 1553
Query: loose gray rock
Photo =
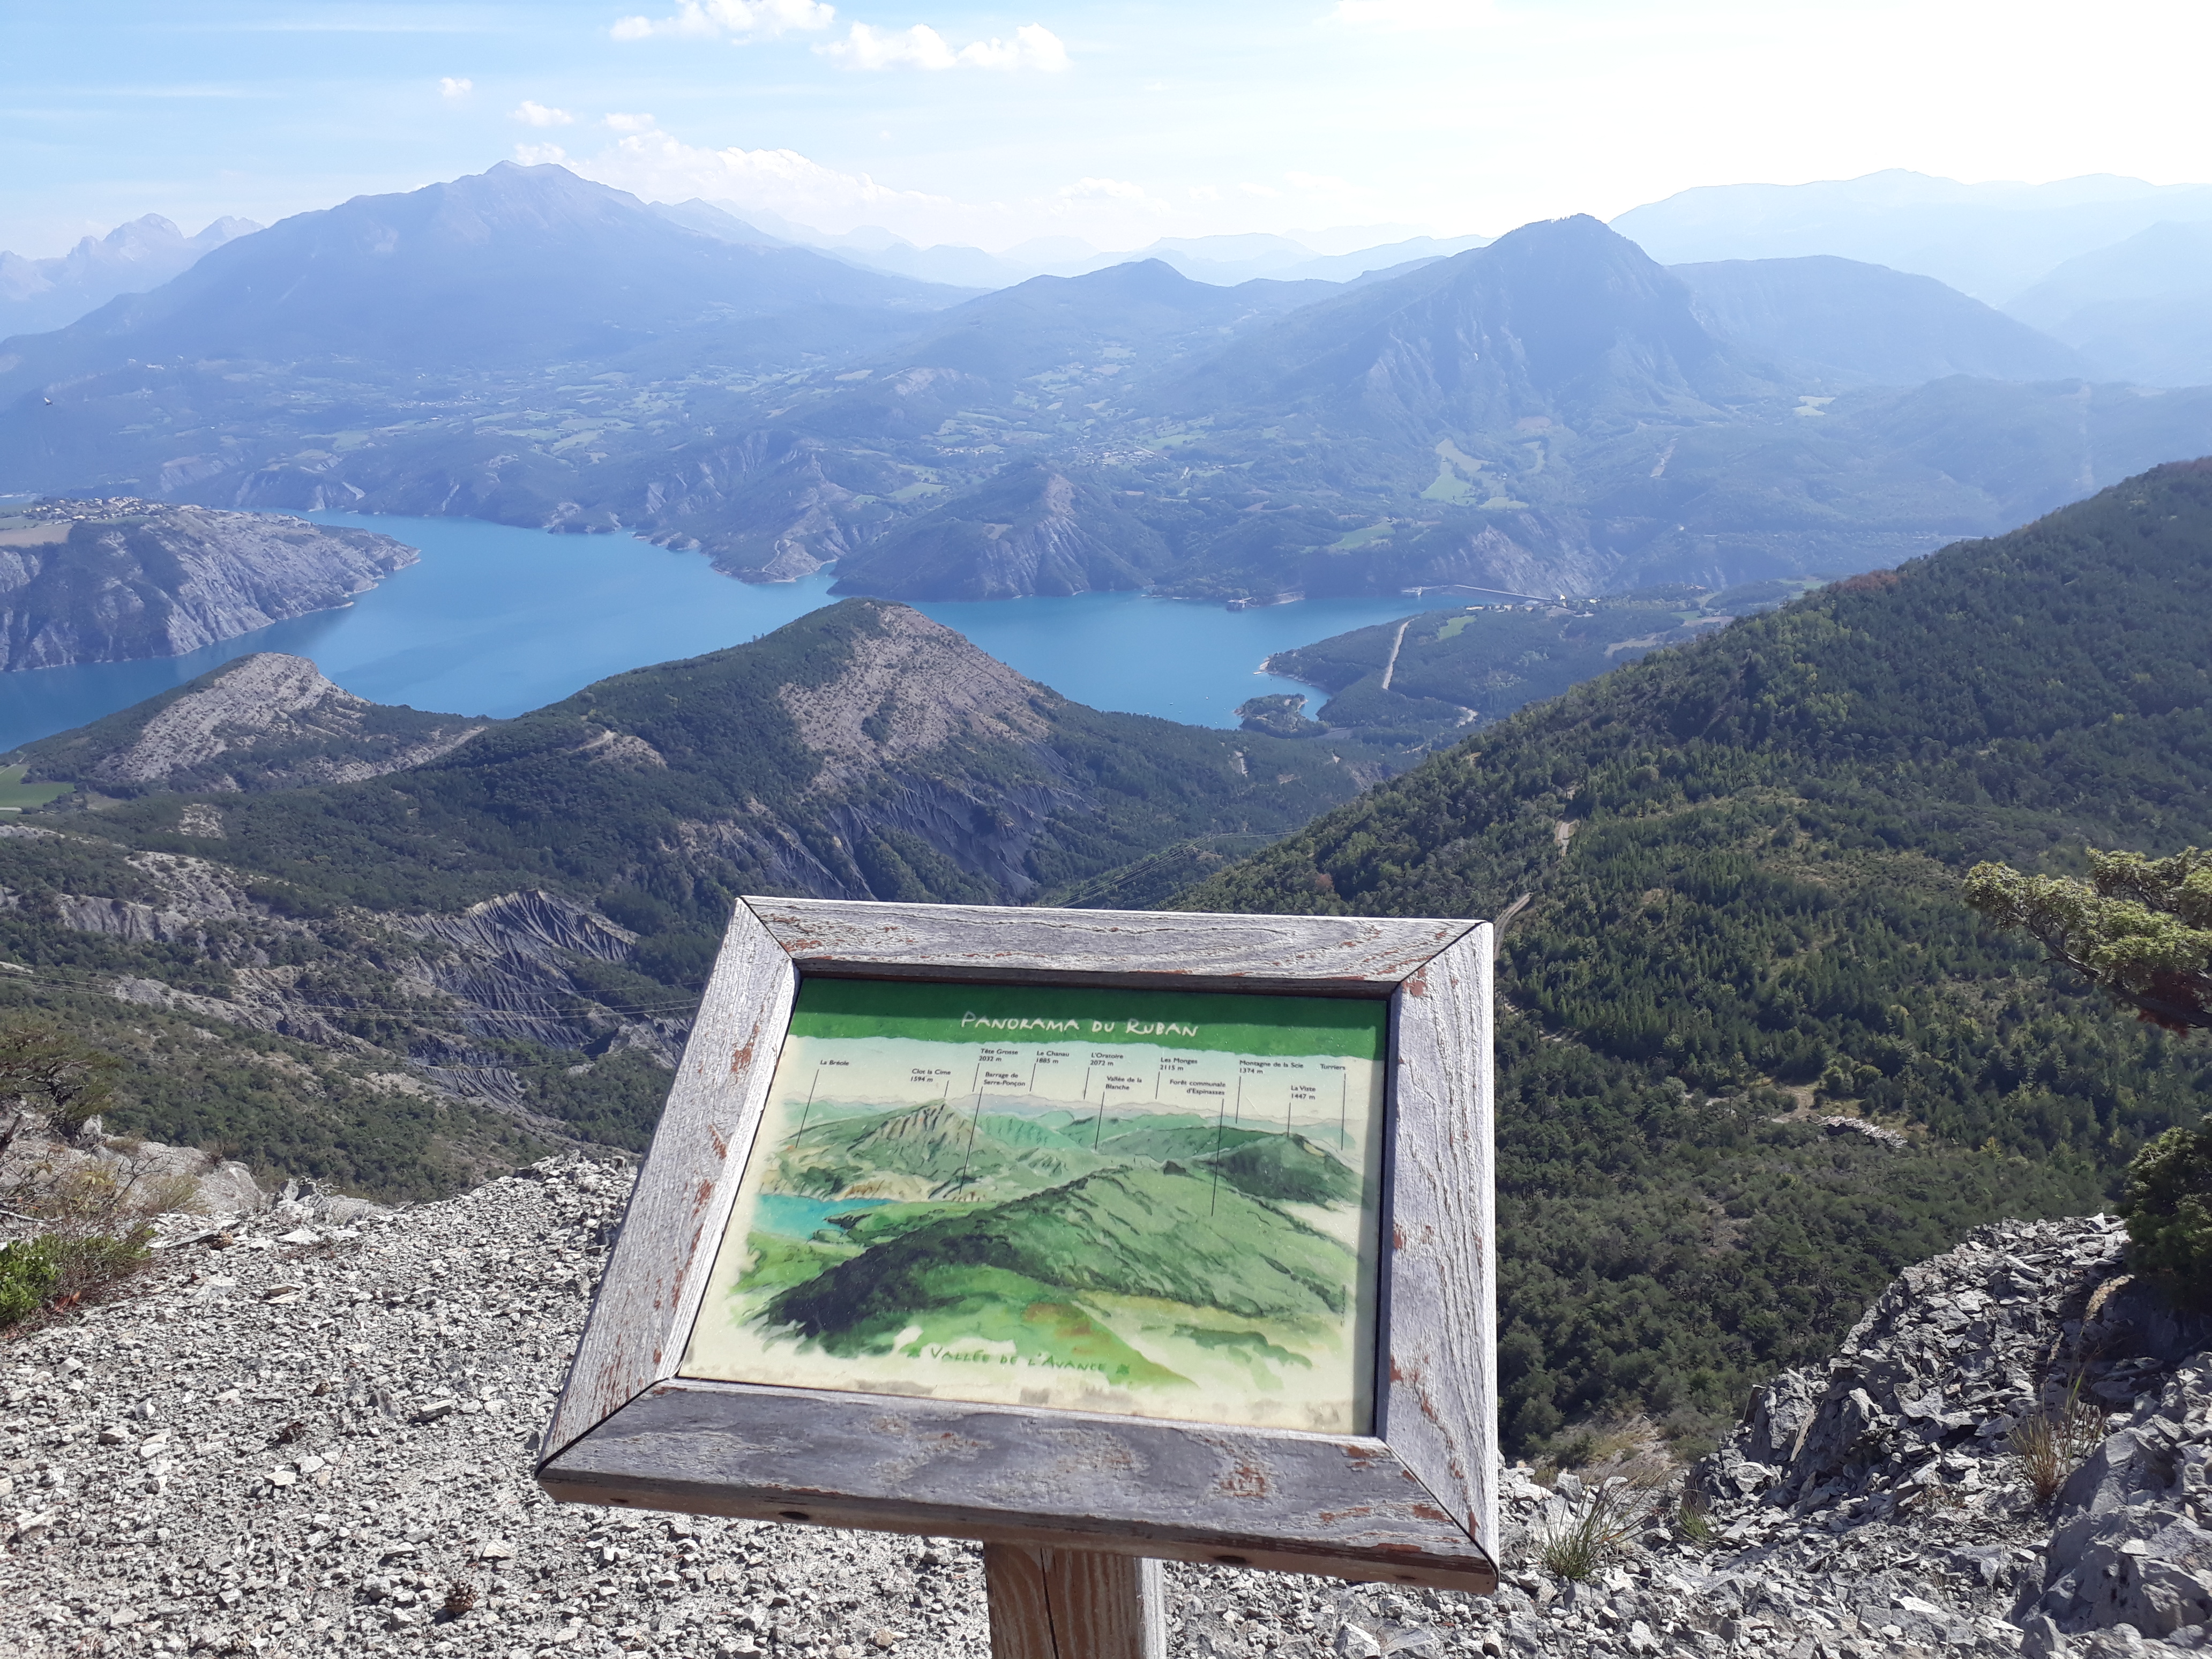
311 1429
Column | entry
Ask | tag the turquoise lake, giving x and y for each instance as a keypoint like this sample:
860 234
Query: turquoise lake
496 621
782 1215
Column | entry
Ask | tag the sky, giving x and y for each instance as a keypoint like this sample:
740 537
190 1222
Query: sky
1115 123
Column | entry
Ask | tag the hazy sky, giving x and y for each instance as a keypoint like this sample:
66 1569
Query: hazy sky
1115 122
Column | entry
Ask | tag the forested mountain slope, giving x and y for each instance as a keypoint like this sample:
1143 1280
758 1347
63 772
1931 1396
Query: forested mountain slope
1740 860
389 948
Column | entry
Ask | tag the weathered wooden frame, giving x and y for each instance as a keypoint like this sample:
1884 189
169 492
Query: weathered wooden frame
1414 1501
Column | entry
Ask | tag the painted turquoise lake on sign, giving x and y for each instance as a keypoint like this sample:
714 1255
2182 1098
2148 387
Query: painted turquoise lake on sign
498 621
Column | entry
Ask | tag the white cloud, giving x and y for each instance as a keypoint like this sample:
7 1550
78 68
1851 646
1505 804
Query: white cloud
743 19
453 87
1034 46
660 166
864 48
621 123
1409 14
532 156
533 114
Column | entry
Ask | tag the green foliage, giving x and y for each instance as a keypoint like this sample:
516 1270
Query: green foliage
2167 1202
614 1100
63 1268
1741 858
28 1274
53 1076
2140 929
281 1106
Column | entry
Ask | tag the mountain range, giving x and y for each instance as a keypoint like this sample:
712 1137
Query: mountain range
38 295
1225 260
2140 306
1991 240
1553 412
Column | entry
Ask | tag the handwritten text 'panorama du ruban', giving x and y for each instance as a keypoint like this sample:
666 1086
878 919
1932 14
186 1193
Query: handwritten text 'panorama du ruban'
1098 1027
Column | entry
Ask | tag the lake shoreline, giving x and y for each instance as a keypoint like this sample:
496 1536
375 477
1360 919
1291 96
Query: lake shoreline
493 621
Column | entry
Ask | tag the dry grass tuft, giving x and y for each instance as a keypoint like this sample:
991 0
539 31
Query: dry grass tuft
2050 1443
1599 1528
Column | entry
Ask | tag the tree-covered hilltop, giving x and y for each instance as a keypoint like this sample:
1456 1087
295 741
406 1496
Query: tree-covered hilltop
860 751
1741 861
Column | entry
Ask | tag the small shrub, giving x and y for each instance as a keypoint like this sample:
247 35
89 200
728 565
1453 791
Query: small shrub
28 1274
2167 1202
47 1076
2050 1443
1578 1451
60 1269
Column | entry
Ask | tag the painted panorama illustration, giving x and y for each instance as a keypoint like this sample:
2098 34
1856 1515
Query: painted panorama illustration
1157 1204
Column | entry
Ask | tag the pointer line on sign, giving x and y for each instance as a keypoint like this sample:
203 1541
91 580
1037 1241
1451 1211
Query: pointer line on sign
1220 1130
808 1110
975 1118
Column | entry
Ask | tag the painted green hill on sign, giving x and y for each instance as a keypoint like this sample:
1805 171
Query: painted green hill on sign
1175 1238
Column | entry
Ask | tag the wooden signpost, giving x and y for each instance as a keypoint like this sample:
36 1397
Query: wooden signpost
1101 1236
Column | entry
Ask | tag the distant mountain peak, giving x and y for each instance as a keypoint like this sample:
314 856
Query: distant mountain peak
36 295
515 264
1564 319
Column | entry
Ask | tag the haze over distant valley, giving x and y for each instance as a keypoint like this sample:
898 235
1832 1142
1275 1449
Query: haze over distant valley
1553 412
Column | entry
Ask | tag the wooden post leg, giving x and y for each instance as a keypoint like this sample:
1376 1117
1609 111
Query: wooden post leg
1073 1604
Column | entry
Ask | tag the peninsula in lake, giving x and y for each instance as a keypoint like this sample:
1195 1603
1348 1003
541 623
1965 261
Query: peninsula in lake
118 579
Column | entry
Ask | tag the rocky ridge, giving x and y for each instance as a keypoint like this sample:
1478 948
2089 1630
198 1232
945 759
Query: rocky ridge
333 1453
266 703
918 687
1897 1464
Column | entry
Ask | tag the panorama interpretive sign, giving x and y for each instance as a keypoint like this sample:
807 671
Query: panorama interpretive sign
1101 1236
1150 1202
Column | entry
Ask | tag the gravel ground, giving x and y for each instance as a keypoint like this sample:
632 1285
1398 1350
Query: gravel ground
311 1430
